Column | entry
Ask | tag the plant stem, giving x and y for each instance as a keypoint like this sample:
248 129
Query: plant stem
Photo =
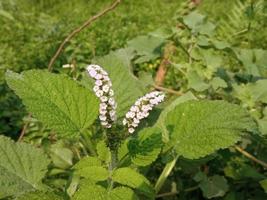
112 166
164 174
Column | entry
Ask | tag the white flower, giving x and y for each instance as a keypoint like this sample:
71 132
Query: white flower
124 121
98 76
111 92
98 82
103 98
103 90
141 108
99 93
131 130
102 117
96 88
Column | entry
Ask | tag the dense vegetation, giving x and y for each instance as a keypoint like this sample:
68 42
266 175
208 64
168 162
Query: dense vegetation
208 58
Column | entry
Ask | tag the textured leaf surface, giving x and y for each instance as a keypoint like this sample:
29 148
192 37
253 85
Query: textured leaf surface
91 191
144 149
215 186
127 87
161 120
103 151
131 178
122 193
94 173
22 167
199 128
87 162
55 99
38 195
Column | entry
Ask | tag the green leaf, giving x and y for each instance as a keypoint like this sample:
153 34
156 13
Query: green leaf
127 87
87 162
198 128
129 177
145 149
195 81
161 120
62 157
217 82
263 184
215 186
254 60
94 173
89 190
147 47
194 20
122 193
103 151
39 195
22 167
56 100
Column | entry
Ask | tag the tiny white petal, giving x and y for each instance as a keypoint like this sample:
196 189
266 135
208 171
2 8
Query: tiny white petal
103 98
98 76
105 88
131 130
98 82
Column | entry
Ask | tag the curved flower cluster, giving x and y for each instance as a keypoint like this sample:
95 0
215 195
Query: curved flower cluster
104 92
141 109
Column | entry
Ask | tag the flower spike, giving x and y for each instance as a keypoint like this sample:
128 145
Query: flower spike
141 109
103 91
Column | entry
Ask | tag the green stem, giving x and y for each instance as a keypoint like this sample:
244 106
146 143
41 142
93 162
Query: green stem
112 166
164 174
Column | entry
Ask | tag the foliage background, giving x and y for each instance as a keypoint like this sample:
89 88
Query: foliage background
227 64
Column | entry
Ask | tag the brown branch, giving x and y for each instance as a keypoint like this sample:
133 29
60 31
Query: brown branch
79 29
251 157
163 67
23 131
168 90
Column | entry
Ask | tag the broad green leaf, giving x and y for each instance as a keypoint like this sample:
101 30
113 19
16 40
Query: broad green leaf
89 190
62 157
39 195
22 167
195 81
254 60
129 177
198 128
194 20
161 120
144 149
56 100
252 92
87 162
94 173
259 90
215 186
127 87
217 82
147 47
103 151
122 193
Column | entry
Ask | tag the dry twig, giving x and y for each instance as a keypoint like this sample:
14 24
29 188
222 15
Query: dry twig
79 29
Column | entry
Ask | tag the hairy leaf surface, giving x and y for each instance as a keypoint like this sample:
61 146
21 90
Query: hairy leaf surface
22 167
56 100
129 177
198 128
